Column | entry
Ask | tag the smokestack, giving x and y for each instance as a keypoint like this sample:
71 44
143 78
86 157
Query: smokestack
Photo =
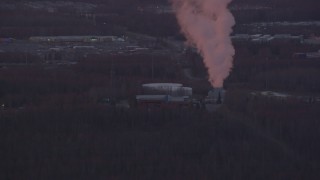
207 25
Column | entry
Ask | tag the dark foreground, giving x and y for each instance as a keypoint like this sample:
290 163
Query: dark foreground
105 143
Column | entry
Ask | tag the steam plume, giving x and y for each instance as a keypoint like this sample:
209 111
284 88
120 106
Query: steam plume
207 25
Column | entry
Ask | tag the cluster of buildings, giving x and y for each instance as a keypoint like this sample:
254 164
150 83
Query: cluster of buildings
308 55
60 6
285 96
267 38
157 9
260 38
287 23
69 47
62 49
75 39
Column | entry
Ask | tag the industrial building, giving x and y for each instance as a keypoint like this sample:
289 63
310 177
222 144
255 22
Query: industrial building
173 89
164 95
175 95
215 96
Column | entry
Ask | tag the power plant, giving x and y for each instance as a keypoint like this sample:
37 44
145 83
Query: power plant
176 95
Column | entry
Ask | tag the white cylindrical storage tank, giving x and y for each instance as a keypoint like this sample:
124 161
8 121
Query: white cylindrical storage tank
162 85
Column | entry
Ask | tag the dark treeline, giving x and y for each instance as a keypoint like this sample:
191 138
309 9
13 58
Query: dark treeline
294 121
86 142
91 79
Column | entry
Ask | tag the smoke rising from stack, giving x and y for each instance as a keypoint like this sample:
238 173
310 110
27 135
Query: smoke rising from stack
207 25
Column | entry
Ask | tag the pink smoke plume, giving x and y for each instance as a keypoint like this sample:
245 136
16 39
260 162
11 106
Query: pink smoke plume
207 24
